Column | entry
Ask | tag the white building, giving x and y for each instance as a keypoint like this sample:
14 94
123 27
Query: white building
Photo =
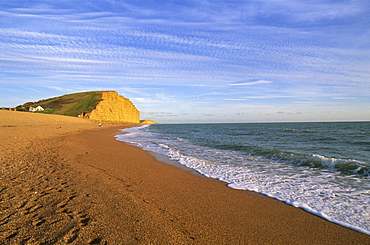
38 108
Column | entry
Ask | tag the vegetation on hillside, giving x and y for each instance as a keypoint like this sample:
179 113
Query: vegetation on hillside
69 105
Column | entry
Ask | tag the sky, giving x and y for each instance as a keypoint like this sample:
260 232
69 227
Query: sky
193 61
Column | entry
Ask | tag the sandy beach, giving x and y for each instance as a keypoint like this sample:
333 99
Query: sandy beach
66 180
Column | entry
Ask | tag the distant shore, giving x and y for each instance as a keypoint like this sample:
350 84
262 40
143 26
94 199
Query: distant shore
66 180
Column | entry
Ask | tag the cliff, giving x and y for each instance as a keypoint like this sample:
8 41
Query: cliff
114 108
99 106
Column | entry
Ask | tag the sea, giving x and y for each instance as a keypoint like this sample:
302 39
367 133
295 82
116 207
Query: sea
323 168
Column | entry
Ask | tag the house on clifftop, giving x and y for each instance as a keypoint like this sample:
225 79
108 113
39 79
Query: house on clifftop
33 109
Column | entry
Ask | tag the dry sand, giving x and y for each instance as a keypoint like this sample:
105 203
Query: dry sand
66 181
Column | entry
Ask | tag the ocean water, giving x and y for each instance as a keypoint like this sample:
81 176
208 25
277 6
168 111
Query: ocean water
323 168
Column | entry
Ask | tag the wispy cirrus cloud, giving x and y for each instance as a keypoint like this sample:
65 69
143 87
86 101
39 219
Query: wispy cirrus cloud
249 83
193 52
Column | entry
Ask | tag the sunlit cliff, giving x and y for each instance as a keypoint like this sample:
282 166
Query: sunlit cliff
114 108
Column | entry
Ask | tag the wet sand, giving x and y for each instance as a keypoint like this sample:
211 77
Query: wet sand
67 181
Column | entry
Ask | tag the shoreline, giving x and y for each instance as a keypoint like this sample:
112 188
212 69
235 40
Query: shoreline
167 160
216 187
82 186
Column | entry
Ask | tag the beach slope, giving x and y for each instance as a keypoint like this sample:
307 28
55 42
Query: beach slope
67 181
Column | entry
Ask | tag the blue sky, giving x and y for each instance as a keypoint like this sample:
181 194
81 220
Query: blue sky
193 60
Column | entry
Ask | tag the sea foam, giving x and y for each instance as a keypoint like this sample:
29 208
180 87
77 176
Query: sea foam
309 181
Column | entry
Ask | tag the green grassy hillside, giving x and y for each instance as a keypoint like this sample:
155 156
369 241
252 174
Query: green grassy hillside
69 105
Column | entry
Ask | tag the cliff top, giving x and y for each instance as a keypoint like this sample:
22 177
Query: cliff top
68 105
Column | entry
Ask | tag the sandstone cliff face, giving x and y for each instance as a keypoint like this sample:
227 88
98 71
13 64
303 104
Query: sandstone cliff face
114 109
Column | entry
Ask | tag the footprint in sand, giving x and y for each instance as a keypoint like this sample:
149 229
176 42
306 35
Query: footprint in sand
71 197
84 221
38 222
71 235
34 208
62 204
10 234
96 240
21 205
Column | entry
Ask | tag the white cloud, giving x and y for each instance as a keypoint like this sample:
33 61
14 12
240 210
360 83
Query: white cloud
270 96
156 98
250 83
61 89
146 100
343 98
236 99
223 52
